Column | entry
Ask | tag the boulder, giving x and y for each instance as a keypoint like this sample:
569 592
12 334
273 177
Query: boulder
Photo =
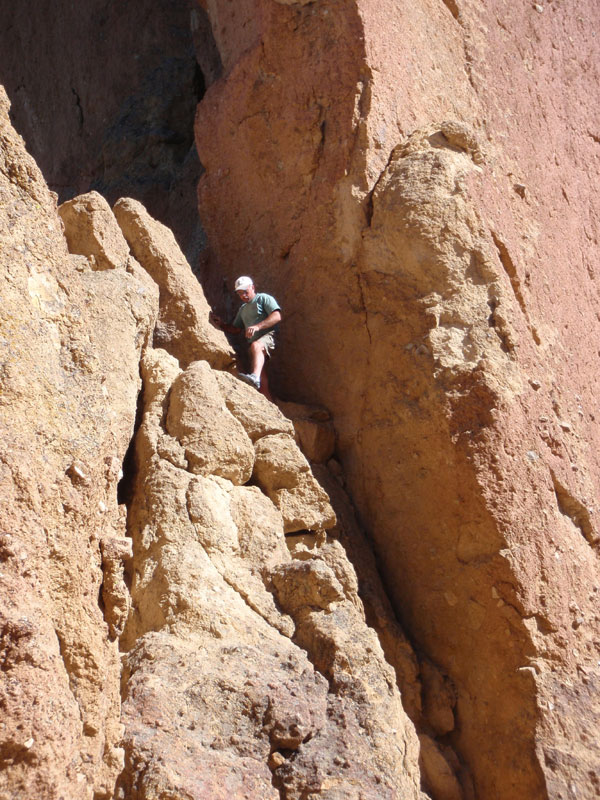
284 474
258 416
183 328
92 230
438 776
213 440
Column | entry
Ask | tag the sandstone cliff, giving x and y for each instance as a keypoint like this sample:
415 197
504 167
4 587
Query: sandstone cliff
189 605
428 171
247 668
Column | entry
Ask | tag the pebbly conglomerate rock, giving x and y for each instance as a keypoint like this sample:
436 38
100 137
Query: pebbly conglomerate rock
249 672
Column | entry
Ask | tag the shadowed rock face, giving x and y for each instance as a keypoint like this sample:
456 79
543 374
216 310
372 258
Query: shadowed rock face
416 185
105 94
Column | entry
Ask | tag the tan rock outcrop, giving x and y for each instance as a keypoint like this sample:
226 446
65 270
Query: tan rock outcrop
249 674
92 230
183 328
71 340
257 415
115 594
211 437
416 183
284 474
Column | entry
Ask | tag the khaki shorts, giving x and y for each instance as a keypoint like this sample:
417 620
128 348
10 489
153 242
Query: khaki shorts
268 342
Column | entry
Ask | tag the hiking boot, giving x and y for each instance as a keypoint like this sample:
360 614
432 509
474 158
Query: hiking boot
251 379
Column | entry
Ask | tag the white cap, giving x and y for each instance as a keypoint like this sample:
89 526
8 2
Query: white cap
243 282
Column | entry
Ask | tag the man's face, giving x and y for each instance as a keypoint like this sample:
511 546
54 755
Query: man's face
246 295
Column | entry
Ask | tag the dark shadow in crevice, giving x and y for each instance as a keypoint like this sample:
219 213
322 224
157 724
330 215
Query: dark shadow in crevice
574 509
126 486
452 7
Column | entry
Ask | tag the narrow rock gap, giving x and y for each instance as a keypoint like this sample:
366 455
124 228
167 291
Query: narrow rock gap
79 108
125 486
411 665
515 282
574 509
510 270
276 781
452 7
370 197
499 329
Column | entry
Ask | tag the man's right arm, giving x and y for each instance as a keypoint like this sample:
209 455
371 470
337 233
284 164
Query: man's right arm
223 326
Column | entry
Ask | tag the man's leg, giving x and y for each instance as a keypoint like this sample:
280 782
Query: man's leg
258 353
264 384
257 358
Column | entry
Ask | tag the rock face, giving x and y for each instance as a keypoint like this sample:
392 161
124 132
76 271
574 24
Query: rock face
249 673
71 339
91 230
175 645
182 328
285 475
113 111
199 614
429 171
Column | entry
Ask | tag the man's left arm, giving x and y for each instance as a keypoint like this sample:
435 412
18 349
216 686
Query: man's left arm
268 322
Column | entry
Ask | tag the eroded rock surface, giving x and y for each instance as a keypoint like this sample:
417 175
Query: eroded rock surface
285 475
91 230
71 339
212 438
249 673
183 327
423 185
416 183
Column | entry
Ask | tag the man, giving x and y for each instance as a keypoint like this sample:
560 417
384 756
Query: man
258 317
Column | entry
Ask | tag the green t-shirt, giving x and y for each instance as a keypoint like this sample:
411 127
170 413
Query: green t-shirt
255 311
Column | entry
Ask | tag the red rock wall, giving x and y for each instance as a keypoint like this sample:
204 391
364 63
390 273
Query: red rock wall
160 635
441 298
415 183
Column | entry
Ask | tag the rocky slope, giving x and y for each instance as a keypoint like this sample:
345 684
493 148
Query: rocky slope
247 668
185 611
